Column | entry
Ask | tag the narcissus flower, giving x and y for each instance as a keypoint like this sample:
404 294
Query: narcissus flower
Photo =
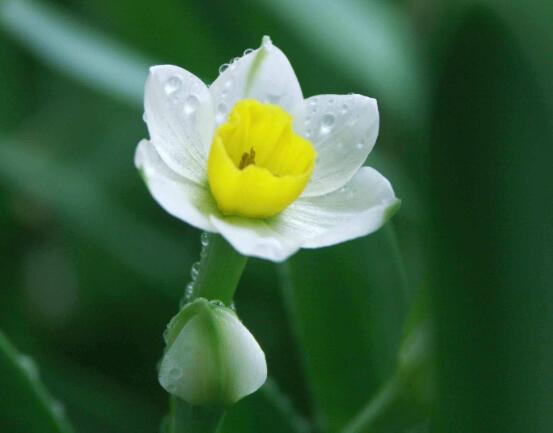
250 158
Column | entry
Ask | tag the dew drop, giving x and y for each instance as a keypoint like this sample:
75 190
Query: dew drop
228 84
359 146
175 373
327 123
195 270
248 51
345 108
188 292
191 104
223 67
204 239
172 84
221 112
217 303
171 388
274 96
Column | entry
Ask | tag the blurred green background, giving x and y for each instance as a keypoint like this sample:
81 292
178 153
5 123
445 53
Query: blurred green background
92 269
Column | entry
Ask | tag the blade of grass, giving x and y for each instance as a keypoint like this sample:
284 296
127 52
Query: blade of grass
347 307
26 404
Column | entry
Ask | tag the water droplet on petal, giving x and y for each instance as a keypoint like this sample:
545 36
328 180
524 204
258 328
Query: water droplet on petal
172 84
274 96
175 373
228 84
204 239
248 51
223 67
217 303
191 104
345 108
221 112
359 146
327 123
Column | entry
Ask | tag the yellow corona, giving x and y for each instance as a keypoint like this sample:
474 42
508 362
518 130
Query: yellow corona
257 164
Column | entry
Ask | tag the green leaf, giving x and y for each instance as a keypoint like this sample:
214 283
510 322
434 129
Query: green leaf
26 405
347 304
491 238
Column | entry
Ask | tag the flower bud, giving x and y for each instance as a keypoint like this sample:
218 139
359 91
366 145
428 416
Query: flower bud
211 358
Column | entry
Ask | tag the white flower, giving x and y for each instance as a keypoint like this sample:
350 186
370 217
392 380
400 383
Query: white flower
265 205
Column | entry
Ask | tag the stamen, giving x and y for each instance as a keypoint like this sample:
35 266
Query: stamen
247 159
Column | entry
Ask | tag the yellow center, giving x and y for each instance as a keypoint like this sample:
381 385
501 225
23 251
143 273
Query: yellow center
257 165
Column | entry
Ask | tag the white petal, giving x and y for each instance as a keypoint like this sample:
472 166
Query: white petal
247 367
264 74
359 208
255 238
180 118
179 196
343 129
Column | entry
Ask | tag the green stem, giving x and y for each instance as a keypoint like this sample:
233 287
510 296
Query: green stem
185 418
218 274
220 270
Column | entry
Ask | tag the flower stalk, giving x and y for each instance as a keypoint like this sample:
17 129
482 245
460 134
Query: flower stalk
219 270
185 418
215 277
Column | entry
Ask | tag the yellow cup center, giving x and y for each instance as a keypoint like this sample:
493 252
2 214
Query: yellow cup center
257 164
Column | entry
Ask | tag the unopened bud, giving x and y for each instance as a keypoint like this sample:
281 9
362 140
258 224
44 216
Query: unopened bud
211 358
